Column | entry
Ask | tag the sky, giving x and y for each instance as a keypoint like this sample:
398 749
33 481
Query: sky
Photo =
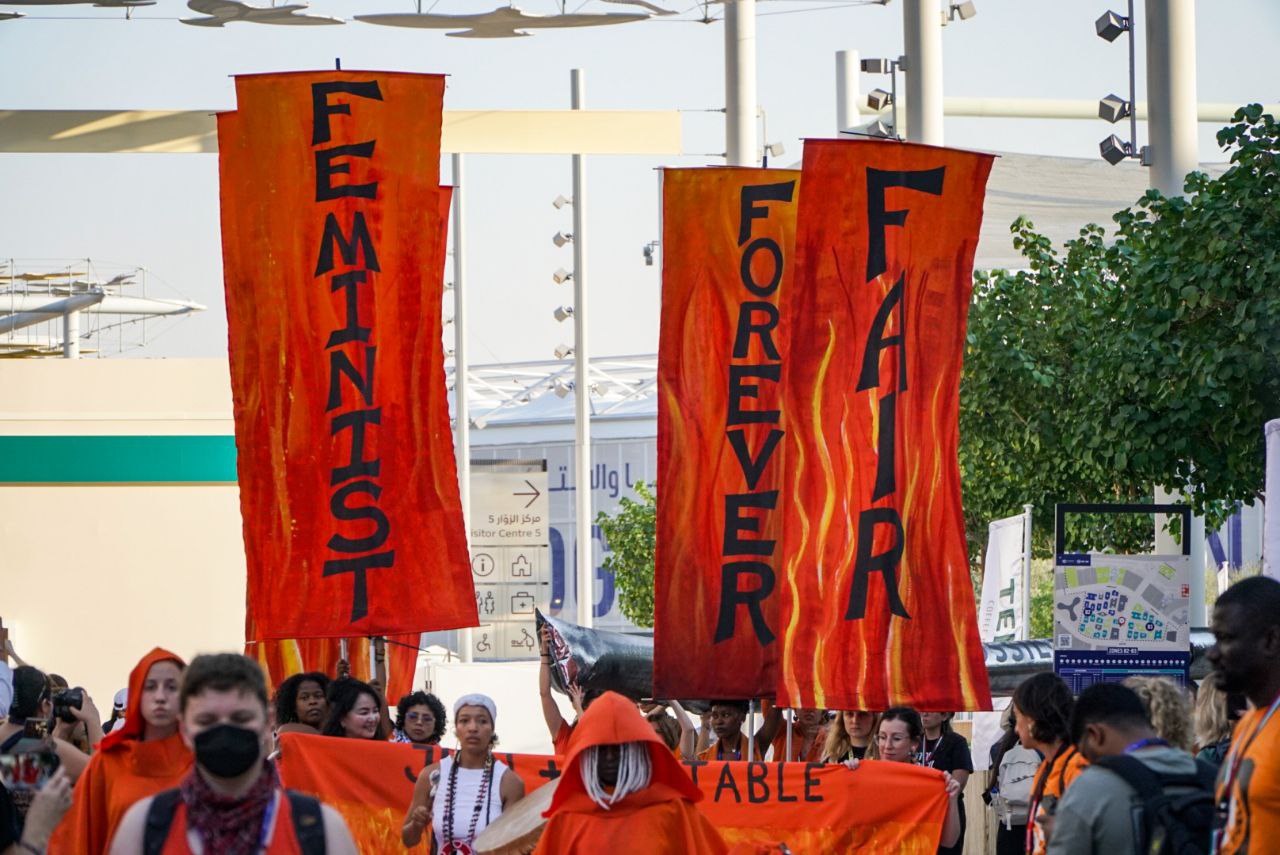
160 211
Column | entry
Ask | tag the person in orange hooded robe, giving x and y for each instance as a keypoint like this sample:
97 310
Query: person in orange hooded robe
139 759
641 802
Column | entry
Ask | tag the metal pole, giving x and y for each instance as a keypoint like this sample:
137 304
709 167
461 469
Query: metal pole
71 335
790 723
461 405
1198 617
848 114
1171 93
922 37
581 379
751 730
1026 572
741 147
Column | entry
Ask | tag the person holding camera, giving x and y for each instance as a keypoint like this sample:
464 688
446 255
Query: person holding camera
139 759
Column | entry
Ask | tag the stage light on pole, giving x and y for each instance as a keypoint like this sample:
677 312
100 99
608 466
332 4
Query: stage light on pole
1114 149
561 276
564 351
560 239
1113 108
561 388
1111 26
963 11
563 313
648 252
480 423
560 201
878 99
877 66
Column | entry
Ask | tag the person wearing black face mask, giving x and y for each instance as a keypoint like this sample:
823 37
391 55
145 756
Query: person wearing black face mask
232 803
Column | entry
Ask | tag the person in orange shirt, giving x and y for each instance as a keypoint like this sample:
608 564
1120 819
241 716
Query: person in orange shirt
1042 707
808 738
726 721
1246 658
623 792
139 759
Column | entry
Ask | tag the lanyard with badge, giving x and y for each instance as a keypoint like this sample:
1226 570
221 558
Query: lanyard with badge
1235 757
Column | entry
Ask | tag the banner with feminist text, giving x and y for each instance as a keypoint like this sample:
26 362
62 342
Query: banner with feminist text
880 808
333 229
876 603
727 238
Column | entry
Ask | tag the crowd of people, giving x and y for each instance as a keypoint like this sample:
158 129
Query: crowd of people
185 763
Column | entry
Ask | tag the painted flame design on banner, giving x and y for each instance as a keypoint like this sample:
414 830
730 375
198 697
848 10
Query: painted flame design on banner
876 314
727 237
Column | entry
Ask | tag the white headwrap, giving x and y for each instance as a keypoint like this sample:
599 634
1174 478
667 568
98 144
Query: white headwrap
477 700
6 689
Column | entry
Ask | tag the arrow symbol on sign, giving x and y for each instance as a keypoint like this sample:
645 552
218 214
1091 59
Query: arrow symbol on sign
535 493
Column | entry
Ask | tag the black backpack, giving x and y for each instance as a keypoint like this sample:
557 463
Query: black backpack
308 822
1168 823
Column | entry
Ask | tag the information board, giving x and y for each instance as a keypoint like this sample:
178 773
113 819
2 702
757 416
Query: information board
509 563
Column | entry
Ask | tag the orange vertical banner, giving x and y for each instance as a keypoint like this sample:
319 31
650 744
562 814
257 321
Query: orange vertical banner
727 239
332 226
877 608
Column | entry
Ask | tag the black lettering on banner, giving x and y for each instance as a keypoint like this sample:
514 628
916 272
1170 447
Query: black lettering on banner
694 766
758 783
340 365
735 523
346 246
812 783
321 109
326 190
739 390
885 563
731 597
751 207
878 219
753 468
782 792
727 782
341 510
349 347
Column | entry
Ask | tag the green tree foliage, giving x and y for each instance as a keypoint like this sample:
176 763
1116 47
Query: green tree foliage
1148 358
630 535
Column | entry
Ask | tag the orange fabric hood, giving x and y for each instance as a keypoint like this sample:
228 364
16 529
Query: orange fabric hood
614 720
134 727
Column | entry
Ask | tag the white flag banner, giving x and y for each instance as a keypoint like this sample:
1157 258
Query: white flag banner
1271 506
988 728
1001 617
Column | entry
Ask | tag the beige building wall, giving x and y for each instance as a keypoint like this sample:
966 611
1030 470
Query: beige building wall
92 575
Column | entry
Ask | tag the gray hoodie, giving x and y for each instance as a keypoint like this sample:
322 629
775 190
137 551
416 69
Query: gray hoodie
1095 815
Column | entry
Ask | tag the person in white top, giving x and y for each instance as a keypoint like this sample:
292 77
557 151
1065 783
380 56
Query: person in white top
462 794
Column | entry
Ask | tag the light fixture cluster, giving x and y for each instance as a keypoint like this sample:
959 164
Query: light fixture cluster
878 99
1113 108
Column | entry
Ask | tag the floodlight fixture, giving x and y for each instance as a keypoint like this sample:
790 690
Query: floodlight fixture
963 11
480 423
1114 149
560 201
648 252
879 129
1113 108
563 313
877 66
563 351
561 388
1112 25
560 239
775 149
561 276
878 99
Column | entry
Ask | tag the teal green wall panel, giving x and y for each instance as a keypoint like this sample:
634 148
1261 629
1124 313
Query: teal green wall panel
117 459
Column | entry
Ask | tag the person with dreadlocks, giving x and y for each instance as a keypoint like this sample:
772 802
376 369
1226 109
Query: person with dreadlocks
460 795
623 792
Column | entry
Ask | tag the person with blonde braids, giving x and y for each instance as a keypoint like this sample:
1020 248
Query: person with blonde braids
1167 707
623 792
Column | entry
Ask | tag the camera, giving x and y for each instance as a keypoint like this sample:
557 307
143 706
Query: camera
65 701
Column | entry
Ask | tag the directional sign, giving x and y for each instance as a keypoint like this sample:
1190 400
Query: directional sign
509 555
